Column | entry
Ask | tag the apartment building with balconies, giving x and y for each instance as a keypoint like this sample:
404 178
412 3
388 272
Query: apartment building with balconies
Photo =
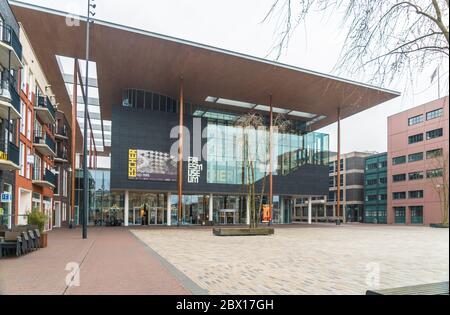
36 178
10 63
63 171
418 163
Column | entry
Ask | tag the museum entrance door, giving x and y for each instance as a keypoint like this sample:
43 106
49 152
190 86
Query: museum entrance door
157 216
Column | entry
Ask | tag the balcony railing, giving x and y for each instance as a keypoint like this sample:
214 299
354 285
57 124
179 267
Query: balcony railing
46 176
50 177
62 155
43 139
10 37
11 154
8 91
62 131
44 102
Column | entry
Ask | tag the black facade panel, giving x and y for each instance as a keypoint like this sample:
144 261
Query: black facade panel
150 130
8 16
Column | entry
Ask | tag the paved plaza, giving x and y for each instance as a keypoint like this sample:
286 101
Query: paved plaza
307 260
111 261
318 259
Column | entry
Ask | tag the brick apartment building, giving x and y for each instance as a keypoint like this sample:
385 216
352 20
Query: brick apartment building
36 179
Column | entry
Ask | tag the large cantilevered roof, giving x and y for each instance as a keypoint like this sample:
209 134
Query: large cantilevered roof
132 58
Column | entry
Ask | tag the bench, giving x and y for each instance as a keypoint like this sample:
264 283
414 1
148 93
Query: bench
440 288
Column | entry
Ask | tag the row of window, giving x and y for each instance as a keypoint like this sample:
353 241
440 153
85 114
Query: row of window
433 134
415 194
377 197
432 154
376 165
418 175
429 116
332 166
416 214
376 181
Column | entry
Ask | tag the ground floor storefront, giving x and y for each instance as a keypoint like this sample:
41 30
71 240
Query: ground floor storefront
137 208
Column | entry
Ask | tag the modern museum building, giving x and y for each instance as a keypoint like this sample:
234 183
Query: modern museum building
247 128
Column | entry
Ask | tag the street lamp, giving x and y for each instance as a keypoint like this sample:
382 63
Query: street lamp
91 8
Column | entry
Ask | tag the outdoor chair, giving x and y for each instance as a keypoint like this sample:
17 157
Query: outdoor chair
37 237
11 241
25 242
32 238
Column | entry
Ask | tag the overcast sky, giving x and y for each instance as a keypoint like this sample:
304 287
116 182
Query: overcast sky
236 25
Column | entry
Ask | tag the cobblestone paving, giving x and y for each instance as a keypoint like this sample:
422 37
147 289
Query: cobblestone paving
306 260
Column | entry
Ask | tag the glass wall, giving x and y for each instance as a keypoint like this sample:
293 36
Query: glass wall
106 208
147 209
231 149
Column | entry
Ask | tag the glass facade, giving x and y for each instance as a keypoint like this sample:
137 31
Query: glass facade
106 208
229 163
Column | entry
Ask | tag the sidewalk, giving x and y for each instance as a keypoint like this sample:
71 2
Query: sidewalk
112 261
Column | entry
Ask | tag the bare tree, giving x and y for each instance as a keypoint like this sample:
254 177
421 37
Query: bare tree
247 122
385 38
256 121
440 180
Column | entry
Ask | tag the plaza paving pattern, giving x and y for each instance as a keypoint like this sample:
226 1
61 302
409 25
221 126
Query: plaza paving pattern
111 261
306 260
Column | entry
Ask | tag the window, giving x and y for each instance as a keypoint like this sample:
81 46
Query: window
23 113
64 212
382 164
330 168
21 159
415 157
399 195
435 133
415 120
64 183
37 168
383 180
371 197
415 176
331 182
341 164
382 197
435 114
28 172
399 160
416 194
29 119
399 178
415 138
24 76
372 166
435 173
371 181
416 214
400 215
434 153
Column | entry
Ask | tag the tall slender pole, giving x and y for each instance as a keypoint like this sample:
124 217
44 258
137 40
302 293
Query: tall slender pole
180 154
73 134
339 166
86 108
270 161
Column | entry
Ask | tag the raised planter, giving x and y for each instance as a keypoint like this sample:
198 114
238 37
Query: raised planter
44 240
439 226
243 231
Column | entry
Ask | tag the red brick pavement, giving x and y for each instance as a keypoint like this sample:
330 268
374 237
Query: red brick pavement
112 261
